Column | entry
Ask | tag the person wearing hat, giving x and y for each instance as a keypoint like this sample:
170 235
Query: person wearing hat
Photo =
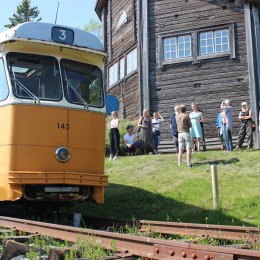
131 141
245 115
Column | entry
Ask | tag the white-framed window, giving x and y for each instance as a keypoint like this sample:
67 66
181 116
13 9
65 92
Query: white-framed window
122 19
131 61
214 42
194 45
121 68
113 74
177 47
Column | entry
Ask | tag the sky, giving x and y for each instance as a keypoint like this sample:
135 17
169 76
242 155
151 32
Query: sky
74 13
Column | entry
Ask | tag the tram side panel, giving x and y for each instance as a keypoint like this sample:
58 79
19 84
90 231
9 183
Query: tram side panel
30 137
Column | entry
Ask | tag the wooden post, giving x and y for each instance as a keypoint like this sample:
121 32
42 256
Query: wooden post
215 193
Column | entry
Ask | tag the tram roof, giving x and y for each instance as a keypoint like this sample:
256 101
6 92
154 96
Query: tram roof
38 31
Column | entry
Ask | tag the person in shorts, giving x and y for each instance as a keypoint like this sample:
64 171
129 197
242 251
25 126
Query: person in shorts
184 138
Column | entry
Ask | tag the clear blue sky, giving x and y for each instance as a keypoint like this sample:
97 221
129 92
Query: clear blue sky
74 13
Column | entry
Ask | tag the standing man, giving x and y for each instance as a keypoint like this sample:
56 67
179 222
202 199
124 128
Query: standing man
173 127
184 137
227 124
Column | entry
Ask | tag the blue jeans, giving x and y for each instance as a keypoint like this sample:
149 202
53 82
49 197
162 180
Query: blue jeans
227 135
157 138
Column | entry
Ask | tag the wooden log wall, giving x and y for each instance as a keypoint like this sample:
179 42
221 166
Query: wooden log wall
123 41
209 82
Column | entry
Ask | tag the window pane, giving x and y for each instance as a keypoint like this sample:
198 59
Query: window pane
113 74
225 48
188 53
122 68
167 56
218 48
172 41
83 83
181 54
34 76
181 39
3 82
184 45
122 19
203 50
222 41
169 48
203 36
131 61
181 46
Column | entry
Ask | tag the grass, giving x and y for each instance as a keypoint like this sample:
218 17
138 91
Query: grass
155 188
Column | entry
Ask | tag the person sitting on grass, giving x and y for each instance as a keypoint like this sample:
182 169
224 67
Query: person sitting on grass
131 143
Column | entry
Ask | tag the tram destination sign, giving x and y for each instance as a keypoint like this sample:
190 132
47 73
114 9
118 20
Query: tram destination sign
62 35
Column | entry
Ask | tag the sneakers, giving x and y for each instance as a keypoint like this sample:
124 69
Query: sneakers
189 165
115 157
110 158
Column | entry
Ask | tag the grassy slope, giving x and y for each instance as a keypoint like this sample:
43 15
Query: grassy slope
155 188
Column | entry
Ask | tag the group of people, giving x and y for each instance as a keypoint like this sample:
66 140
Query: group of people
224 125
150 134
186 130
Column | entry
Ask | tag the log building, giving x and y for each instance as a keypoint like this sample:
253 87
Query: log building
163 53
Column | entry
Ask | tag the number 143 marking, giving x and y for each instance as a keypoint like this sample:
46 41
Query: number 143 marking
63 126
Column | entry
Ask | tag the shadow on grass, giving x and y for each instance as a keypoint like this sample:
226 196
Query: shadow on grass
217 162
127 202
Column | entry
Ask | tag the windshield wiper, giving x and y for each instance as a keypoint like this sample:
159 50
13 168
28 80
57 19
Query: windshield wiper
26 90
86 105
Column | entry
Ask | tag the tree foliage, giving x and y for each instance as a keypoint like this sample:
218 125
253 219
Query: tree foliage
94 27
25 13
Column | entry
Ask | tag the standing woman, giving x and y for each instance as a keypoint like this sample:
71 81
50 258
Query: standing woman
195 131
245 115
114 136
146 132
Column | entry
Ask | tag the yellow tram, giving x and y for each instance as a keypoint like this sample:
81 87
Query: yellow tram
52 114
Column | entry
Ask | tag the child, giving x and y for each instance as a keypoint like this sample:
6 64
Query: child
156 121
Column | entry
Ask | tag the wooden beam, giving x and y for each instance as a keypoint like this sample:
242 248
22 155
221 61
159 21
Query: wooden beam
145 61
252 71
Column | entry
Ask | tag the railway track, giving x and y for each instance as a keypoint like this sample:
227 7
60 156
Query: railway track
130 245
177 228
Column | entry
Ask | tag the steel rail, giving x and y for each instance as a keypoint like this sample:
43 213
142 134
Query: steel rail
244 234
202 230
129 244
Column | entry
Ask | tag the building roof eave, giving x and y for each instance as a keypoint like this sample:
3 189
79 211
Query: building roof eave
99 6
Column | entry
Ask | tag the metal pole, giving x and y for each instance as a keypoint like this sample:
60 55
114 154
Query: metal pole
214 177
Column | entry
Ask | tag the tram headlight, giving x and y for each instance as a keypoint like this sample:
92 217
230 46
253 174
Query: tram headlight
62 154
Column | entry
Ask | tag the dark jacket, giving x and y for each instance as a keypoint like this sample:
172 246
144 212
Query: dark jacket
173 123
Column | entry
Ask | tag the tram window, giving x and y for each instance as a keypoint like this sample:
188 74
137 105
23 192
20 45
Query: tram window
82 83
3 82
34 76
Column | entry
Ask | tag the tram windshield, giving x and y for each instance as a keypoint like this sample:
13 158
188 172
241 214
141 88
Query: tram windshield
34 76
82 83
38 77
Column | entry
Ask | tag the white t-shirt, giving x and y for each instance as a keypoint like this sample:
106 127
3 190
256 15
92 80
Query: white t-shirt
156 124
113 123
129 139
